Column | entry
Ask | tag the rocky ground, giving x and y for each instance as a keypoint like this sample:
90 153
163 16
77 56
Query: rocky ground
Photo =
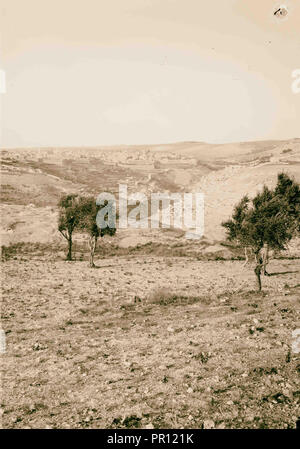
150 342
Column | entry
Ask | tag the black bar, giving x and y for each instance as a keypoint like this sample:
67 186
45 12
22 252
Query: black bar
145 438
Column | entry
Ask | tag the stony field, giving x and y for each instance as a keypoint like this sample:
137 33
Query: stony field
151 342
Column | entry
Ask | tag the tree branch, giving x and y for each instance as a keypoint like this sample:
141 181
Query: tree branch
64 235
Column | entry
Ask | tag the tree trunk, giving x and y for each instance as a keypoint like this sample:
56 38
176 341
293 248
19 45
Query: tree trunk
92 245
69 255
246 257
265 257
257 272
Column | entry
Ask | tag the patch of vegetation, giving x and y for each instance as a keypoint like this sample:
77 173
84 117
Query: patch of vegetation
165 297
17 250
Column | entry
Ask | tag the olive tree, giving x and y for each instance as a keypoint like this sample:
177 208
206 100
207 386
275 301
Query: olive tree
88 222
68 218
79 214
269 220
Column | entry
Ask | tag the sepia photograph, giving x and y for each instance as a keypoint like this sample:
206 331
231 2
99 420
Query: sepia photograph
150 217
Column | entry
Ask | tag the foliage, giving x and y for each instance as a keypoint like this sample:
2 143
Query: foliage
87 214
272 217
289 190
68 214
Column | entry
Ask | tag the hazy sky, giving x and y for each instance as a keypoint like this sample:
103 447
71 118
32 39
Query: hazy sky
95 72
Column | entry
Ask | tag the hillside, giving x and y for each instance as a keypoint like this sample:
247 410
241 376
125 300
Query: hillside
33 179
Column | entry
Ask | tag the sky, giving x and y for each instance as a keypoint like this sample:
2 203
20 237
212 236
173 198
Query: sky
108 72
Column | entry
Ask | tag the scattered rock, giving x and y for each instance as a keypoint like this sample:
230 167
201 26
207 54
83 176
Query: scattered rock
208 424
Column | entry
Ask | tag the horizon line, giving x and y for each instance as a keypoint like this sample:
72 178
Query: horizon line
99 146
